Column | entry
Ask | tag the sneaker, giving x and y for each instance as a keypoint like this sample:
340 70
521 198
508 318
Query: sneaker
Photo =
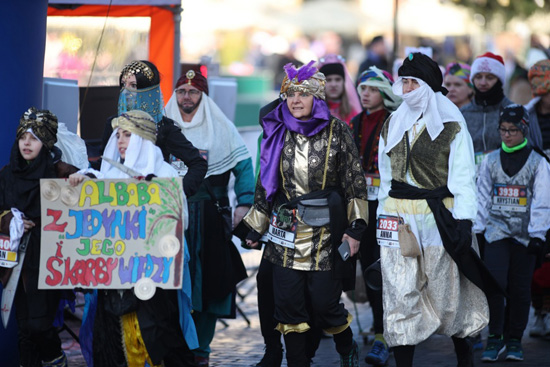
378 355
60 361
271 358
495 347
514 350
540 326
352 359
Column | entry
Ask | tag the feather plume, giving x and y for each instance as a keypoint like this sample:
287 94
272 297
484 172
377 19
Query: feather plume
307 71
290 70
303 73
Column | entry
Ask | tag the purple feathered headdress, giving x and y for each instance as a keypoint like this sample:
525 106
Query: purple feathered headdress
306 79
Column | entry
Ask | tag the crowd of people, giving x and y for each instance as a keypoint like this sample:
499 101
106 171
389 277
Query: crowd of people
436 180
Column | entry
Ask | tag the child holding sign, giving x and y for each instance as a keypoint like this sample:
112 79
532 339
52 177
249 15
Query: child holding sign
148 325
33 156
513 216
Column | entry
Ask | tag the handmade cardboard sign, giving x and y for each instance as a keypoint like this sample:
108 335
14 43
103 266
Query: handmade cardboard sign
112 233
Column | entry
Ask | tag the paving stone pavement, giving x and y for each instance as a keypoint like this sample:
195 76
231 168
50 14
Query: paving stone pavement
237 345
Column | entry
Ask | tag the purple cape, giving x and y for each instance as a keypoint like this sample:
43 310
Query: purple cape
276 123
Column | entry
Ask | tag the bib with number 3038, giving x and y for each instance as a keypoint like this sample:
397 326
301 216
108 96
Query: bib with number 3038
509 198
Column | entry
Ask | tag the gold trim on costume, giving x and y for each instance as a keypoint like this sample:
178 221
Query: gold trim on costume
327 156
358 209
292 328
136 353
301 165
339 329
319 248
257 220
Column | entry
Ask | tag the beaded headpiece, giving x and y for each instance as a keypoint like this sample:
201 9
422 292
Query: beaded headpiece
43 124
195 79
306 79
136 67
137 122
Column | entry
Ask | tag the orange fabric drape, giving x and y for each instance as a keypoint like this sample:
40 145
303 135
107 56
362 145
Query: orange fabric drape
161 35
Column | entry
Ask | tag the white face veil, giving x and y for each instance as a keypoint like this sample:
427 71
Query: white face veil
434 108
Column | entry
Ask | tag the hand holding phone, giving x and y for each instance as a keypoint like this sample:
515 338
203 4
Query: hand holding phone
344 250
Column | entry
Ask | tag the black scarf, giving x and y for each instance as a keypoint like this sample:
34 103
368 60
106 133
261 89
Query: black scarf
423 67
469 262
25 180
490 98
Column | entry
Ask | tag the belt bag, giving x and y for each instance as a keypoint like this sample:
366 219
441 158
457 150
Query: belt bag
314 212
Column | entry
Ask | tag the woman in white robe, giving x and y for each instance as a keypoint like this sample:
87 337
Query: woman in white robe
426 161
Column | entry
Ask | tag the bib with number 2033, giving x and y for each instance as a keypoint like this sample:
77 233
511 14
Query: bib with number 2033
509 198
387 231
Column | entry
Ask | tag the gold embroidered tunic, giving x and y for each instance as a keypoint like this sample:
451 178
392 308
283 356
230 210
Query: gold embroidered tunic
328 159
427 294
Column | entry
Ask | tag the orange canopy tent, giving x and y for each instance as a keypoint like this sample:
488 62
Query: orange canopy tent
164 32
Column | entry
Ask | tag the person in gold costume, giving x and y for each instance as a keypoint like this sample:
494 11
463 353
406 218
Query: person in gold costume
427 186
310 197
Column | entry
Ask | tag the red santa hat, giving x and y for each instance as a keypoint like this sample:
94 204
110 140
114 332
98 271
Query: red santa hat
488 63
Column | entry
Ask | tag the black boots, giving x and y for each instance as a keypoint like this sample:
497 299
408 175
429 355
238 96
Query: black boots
464 352
273 356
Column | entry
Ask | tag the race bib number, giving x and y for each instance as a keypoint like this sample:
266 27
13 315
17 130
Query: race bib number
180 166
8 258
373 185
509 198
386 231
283 237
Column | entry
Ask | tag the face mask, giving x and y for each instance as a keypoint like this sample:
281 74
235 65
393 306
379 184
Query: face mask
417 100
128 99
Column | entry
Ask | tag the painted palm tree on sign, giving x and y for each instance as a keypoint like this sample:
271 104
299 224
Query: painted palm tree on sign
162 220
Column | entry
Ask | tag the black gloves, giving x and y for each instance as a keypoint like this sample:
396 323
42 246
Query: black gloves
253 236
356 229
464 233
538 248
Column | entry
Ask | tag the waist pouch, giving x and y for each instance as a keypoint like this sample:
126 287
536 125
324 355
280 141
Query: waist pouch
314 212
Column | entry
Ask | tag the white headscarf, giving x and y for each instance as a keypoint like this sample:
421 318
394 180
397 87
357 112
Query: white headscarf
435 108
142 155
212 131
